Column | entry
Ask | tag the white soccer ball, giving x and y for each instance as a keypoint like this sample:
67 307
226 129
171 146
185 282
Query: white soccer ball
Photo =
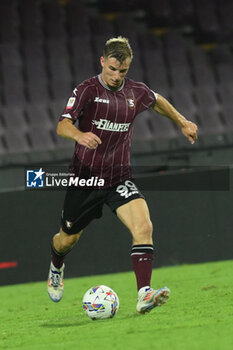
100 302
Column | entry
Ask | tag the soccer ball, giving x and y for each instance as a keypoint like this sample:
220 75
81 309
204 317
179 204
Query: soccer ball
100 302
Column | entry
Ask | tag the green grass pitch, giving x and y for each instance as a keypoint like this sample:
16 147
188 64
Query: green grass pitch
199 314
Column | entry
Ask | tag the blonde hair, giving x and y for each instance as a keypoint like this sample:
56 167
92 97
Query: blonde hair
118 48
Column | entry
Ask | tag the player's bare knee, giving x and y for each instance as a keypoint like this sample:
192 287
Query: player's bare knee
145 229
142 234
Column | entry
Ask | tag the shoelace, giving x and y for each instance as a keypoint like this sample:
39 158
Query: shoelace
55 278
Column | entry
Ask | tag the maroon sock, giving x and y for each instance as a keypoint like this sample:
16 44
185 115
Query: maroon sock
142 259
57 258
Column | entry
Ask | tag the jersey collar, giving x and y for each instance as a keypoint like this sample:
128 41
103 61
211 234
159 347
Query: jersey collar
106 86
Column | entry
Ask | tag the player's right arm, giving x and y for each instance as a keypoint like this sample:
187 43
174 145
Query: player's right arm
66 129
73 109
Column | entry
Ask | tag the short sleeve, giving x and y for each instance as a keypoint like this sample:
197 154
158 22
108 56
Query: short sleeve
76 103
147 98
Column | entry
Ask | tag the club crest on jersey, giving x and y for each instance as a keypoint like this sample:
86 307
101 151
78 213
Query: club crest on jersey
70 102
131 103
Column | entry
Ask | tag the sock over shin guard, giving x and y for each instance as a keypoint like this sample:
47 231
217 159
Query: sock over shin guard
57 258
142 259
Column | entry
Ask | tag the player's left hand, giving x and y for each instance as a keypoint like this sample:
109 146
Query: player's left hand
190 131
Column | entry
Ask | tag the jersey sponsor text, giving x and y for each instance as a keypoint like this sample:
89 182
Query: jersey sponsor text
105 124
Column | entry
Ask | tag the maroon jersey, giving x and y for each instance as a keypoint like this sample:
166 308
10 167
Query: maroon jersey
109 114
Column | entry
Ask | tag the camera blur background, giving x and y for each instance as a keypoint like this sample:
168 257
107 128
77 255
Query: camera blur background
182 49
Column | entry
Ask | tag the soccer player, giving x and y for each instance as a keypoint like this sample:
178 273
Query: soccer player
104 108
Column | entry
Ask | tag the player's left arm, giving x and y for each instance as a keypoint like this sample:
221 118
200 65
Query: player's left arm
188 128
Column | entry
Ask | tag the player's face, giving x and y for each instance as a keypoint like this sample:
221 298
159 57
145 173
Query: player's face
113 72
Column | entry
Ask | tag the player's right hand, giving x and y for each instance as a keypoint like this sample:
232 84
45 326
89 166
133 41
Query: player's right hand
89 140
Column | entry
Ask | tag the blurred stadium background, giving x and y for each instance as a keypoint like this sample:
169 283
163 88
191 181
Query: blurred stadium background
183 49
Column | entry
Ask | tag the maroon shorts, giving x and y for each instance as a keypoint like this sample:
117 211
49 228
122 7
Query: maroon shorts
81 206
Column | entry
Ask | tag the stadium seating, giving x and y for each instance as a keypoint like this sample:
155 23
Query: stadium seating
77 28
184 101
156 74
207 21
82 58
9 23
31 21
48 47
183 12
159 13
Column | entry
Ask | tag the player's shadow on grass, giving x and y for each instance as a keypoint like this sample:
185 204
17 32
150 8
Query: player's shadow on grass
65 324
79 323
